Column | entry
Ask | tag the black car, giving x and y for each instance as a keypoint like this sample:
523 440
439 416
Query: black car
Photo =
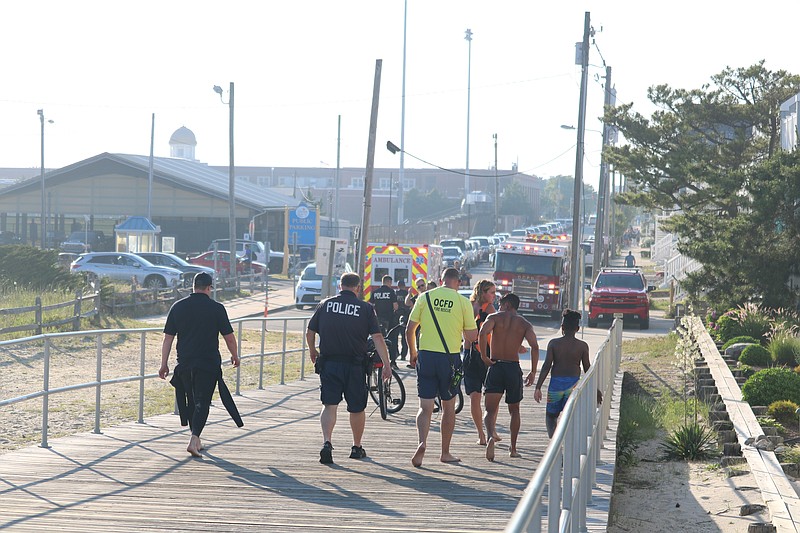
173 261
7 237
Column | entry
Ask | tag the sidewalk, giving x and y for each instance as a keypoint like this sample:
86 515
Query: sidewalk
281 298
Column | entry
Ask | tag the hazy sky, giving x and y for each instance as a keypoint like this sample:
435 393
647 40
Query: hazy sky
100 68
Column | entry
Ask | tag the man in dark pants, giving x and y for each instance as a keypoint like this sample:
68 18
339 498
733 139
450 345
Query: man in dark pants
385 301
343 324
402 313
197 321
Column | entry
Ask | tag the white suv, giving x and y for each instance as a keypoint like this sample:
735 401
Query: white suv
308 291
125 266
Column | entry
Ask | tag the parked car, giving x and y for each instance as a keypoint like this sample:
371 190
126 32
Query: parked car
7 237
223 262
85 241
483 250
451 254
124 267
620 290
517 234
65 260
173 261
308 290
273 259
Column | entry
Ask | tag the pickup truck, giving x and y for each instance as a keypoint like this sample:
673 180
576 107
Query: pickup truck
80 242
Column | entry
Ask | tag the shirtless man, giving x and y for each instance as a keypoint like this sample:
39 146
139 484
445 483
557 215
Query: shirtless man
565 355
504 373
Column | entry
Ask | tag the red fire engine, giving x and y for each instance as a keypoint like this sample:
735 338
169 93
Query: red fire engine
536 272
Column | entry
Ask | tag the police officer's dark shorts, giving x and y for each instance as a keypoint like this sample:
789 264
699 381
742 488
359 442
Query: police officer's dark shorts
505 377
339 379
474 373
434 374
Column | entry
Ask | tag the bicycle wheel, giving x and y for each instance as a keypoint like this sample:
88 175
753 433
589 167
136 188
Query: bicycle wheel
382 394
374 380
459 401
395 393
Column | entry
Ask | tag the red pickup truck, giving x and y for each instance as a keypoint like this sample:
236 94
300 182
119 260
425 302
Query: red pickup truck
620 290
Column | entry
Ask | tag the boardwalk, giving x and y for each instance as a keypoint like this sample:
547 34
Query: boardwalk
266 476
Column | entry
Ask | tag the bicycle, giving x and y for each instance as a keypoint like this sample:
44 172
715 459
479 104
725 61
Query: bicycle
390 395
437 406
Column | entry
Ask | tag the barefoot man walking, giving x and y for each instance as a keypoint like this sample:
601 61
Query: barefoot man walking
507 329
445 316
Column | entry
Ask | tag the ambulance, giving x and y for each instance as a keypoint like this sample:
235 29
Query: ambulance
404 262
537 272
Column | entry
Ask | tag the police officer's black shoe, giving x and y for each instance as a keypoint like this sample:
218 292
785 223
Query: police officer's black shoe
357 452
325 454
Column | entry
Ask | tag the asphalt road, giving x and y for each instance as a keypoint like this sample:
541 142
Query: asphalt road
545 327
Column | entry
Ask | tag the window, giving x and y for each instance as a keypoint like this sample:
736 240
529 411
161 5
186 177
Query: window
357 182
102 260
401 274
377 275
384 183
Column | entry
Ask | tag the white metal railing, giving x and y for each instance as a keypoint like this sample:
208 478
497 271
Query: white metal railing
677 268
567 469
664 248
99 382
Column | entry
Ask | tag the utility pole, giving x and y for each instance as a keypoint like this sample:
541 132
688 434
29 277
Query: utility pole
577 222
400 201
599 242
338 146
496 187
370 170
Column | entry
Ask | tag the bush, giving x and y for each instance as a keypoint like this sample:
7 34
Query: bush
791 454
784 346
756 355
26 267
783 411
770 385
746 320
691 441
740 339
748 370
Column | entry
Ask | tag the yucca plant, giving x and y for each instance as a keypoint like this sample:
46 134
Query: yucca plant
691 441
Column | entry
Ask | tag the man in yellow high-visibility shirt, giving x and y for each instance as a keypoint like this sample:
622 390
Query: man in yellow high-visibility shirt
439 359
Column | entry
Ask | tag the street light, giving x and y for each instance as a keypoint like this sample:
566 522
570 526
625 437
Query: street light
43 219
231 180
468 38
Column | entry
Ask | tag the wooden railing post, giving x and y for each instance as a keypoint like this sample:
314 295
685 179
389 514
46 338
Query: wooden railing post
38 315
76 320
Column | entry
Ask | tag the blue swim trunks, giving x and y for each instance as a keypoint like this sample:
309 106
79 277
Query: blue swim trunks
558 392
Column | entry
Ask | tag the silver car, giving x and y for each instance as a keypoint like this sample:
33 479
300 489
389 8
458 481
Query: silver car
125 267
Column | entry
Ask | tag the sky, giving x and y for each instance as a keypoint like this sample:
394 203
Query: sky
100 69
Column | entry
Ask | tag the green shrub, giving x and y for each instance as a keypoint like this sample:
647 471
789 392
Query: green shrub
791 454
784 346
769 422
26 267
747 370
756 355
739 340
691 441
770 385
783 411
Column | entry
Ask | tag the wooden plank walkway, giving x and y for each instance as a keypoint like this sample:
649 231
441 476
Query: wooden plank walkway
266 475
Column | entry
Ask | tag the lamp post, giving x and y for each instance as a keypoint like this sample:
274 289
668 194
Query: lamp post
468 38
496 187
231 180
43 218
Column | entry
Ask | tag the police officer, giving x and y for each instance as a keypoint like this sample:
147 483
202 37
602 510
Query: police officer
343 324
385 301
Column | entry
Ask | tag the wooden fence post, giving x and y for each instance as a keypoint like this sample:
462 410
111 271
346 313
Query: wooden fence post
76 321
38 315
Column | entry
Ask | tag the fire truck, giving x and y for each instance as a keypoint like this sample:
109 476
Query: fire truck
404 262
537 272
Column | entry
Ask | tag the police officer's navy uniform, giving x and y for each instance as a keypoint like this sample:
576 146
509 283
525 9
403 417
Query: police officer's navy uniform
343 324
384 298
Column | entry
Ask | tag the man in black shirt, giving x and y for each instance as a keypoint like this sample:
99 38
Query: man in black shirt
385 301
343 324
197 321
402 312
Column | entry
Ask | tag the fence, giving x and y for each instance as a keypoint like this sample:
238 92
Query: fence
567 469
39 310
141 377
138 297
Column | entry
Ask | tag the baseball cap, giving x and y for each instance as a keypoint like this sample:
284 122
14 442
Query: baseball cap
203 279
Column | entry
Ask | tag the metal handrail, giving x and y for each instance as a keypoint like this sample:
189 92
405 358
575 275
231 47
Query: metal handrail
575 445
99 382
